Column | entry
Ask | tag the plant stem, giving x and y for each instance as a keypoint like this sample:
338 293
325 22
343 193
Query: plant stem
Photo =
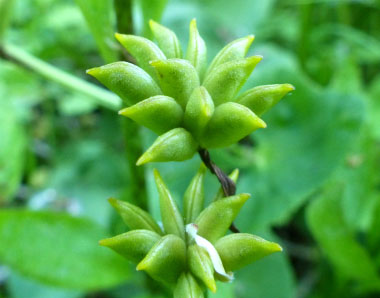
228 186
5 15
24 59
132 134
133 150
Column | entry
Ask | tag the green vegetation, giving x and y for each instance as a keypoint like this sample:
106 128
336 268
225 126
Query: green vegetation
313 173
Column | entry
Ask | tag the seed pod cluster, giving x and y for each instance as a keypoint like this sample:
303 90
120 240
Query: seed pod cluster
190 252
189 105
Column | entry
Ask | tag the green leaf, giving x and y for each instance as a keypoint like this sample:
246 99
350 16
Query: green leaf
326 222
20 287
100 18
13 144
374 107
359 176
58 249
308 135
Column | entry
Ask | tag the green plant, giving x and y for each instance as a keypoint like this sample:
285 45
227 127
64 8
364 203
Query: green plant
192 108
190 252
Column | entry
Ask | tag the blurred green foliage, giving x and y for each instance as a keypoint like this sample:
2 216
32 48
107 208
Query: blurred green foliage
314 173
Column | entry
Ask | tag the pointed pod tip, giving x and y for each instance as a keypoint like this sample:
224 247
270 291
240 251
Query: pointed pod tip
277 247
141 266
156 173
261 123
142 160
126 112
202 168
118 35
250 38
92 71
289 87
113 202
256 58
212 285
245 196
104 242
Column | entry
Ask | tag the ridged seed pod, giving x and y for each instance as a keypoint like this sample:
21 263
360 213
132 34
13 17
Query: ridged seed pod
199 91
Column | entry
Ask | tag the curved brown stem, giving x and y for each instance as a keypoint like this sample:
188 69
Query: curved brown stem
228 186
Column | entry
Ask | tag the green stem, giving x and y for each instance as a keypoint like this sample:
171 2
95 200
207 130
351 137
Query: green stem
136 192
5 15
28 61
305 12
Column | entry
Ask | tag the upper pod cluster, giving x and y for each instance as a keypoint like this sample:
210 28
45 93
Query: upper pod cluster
189 105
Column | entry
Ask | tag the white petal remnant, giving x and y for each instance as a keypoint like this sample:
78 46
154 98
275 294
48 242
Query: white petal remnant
192 230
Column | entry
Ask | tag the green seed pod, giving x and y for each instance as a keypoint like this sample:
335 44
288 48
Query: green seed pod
224 82
234 177
236 49
159 113
229 124
196 50
134 217
167 40
261 98
215 220
175 145
199 110
187 287
177 78
194 196
133 245
128 81
239 250
143 50
201 266
170 215
166 260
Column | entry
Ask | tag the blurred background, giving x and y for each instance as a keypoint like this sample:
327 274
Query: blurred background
314 173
